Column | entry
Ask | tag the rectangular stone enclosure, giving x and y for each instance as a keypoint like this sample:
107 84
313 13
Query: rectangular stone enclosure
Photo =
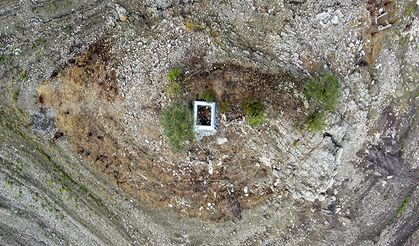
204 116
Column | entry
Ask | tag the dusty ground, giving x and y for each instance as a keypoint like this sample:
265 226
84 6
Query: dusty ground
84 161
164 178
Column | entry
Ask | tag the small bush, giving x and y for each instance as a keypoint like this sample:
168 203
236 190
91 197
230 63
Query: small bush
68 29
6 59
23 76
254 112
404 205
325 91
190 26
402 209
224 107
16 95
173 89
410 9
39 42
193 26
316 122
9 183
208 96
177 125
256 120
174 74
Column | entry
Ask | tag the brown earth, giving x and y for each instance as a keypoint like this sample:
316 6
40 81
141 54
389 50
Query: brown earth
90 111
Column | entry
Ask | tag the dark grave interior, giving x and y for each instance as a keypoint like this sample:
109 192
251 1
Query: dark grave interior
204 115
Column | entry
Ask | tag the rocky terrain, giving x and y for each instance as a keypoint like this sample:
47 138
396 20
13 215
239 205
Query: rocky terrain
84 159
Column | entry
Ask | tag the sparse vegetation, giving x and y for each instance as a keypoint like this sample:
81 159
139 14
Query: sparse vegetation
324 92
39 42
76 203
55 6
51 7
23 76
190 25
173 89
208 96
316 122
402 208
177 125
19 195
9 183
404 205
193 26
174 74
16 95
404 39
410 9
253 111
68 29
224 107
17 168
9 1
51 182
174 86
6 59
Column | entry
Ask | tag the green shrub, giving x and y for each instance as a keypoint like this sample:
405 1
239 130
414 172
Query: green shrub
208 96
174 74
6 59
194 26
325 91
23 76
68 29
224 107
39 42
402 209
256 120
254 112
9 183
410 9
316 122
173 89
404 205
177 125
16 95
